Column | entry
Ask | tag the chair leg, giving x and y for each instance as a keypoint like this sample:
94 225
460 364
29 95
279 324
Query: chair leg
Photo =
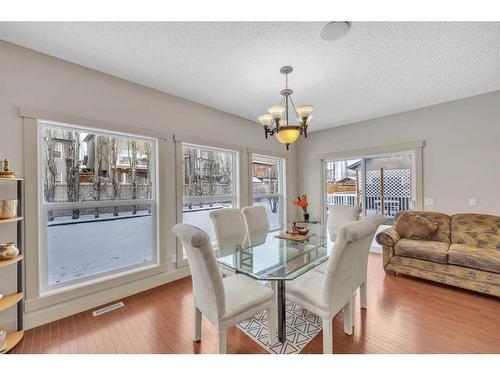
327 336
271 325
348 321
352 312
222 341
363 297
196 324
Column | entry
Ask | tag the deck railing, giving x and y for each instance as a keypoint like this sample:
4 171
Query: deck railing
392 204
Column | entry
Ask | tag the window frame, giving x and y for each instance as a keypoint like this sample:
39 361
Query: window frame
282 185
239 181
414 149
44 289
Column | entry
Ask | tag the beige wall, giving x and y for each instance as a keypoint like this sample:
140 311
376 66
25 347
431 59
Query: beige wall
31 79
461 156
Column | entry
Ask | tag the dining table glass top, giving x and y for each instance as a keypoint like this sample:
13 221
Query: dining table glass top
264 256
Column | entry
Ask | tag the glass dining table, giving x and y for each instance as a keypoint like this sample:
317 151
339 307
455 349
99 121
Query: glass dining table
264 256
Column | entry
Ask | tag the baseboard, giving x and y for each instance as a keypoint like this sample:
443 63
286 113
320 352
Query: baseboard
61 310
376 250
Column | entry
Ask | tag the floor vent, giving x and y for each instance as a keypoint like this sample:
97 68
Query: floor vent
107 309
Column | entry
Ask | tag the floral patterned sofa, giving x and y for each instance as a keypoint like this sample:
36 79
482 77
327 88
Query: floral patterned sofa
464 252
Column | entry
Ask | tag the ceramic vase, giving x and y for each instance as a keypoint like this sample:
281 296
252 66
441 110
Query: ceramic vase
8 208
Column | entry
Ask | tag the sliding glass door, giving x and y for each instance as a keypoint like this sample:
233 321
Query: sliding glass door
342 183
388 185
377 184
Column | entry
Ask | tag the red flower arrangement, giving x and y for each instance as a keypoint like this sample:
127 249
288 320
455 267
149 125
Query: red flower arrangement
301 202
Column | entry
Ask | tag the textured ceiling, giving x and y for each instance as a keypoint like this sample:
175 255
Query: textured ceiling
378 68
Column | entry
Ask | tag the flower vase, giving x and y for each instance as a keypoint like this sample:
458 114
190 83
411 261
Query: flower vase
306 218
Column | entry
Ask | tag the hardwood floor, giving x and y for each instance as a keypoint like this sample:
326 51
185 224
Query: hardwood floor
404 315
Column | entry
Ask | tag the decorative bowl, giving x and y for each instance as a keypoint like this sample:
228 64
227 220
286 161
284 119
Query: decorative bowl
303 231
8 251
8 208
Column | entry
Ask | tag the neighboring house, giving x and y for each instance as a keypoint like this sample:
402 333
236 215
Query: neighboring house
96 157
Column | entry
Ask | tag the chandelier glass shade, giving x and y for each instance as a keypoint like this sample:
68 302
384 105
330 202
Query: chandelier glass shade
276 121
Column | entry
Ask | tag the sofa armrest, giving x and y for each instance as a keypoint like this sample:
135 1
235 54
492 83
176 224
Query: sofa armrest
388 238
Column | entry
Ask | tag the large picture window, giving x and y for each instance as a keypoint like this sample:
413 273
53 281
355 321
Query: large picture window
209 182
98 205
267 187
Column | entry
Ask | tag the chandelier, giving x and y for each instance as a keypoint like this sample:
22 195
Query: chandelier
277 120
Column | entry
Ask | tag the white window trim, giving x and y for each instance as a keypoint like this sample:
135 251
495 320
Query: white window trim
282 184
240 180
44 288
97 293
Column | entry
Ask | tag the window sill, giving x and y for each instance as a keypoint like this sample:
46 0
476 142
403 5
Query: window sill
65 294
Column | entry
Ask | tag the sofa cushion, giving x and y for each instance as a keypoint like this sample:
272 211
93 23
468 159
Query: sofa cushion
428 250
474 257
476 230
414 227
442 234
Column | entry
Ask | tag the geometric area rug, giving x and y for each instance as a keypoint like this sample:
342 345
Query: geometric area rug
301 327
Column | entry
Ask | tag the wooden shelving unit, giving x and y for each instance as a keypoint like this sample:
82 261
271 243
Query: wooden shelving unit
10 300
4 263
12 340
2 221
15 299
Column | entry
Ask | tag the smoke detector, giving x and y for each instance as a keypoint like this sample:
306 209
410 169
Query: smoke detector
334 30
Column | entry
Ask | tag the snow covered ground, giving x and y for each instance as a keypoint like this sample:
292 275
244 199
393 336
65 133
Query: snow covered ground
91 246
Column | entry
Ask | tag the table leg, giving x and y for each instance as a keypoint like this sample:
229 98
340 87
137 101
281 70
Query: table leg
281 311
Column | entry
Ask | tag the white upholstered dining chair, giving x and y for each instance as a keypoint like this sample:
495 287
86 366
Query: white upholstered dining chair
229 225
224 302
338 216
256 219
377 220
230 232
325 294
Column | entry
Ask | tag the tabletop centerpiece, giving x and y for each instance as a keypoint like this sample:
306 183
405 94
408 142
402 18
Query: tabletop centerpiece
302 202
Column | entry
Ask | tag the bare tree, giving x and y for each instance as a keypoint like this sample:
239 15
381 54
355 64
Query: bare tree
132 157
147 151
226 171
50 169
113 174
71 153
100 166
191 176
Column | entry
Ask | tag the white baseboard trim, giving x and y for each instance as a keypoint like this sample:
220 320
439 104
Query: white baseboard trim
61 310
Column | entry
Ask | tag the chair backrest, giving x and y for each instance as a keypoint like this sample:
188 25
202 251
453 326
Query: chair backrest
256 219
208 289
377 219
230 229
346 267
340 215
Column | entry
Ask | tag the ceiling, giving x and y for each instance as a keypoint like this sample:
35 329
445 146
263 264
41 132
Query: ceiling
376 69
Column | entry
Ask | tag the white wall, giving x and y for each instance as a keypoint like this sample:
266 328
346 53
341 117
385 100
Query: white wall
32 79
461 156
